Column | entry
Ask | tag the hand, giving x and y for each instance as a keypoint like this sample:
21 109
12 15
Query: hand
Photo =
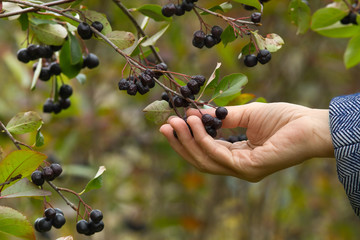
280 135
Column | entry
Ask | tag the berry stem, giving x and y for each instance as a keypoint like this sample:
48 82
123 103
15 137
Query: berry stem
58 190
16 142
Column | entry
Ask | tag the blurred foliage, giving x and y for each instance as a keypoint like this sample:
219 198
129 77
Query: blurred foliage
149 192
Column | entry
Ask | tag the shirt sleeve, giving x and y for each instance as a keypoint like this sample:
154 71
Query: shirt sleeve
345 132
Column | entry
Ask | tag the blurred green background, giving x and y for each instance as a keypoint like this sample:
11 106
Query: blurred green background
149 192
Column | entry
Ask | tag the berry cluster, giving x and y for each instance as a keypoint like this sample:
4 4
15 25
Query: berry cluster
47 173
84 29
200 39
263 57
51 106
350 18
171 9
234 138
212 124
53 217
34 52
95 224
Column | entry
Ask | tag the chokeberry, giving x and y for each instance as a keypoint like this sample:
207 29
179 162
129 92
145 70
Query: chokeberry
161 66
96 227
200 79
57 169
210 41
232 139
132 90
178 101
168 10
211 131
49 213
33 51
23 55
198 44
96 215
179 10
193 86
58 221
97 25
37 178
185 91
45 74
199 36
207 119
43 225
84 30
82 226
165 96
221 113
48 174
123 84
264 56
217 123
142 89
48 106
146 79
57 107
250 60
242 137
58 210
55 68
65 91
216 31
187 5
65 103
45 51
55 48
91 61
256 17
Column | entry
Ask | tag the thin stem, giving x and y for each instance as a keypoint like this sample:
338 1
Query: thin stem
348 4
57 189
76 194
16 143
33 9
11 180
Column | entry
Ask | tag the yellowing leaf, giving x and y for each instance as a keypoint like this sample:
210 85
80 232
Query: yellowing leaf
121 39
24 122
158 111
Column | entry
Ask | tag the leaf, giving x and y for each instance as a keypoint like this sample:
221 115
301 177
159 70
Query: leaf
81 78
242 99
254 3
228 35
36 75
325 17
24 122
100 17
248 49
71 57
121 39
38 21
212 81
39 139
96 182
50 34
76 3
300 15
24 21
352 52
23 188
338 30
152 40
11 7
223 7
20 162
15 223
153 11
272 42
158 111
229 87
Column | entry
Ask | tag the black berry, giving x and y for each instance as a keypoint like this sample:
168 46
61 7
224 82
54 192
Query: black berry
221 113
48 174
256 17
96 227
199 36
48 106
193 86
49 213
200 79
207 120
132 90
57 107
185 91
198 44
84 31
37 178
97 25
33 51
179 10
217 123
65 91
178 101
187 5
91 61
45 74
123 84
168 10
264 56
58 210
82 226
23 55
96 215
216 31
45 51
232 139
211 131
57 169
250 60
43 225
210 41
58 221
64 103
142 89
165 96
55 48
55 68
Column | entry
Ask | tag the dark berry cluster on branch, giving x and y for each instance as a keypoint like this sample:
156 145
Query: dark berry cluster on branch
53 217
63 102
94 225
212 124
84 30
263 57
48 173
34 52
171 9
349 19
200 39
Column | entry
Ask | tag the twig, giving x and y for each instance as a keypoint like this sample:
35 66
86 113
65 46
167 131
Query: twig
68 202
16 143
11 180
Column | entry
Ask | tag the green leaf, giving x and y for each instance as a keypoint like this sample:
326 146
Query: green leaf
152 40
36 75
81 78
223 7
96 182
254 3
39 139
248 49
229 87
23 188
11 7
272 42
24 21
20 162
158 111
24 122
100 17
15 223
300 15
211 83
228 35
352 52
325 17
121 39
38 21
71 57
153 11
50 34
76 3
338 30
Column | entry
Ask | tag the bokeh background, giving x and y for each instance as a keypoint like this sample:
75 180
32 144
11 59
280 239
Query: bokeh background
149 192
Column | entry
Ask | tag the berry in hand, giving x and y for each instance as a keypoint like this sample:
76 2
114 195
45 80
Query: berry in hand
23 55
217 123
37 178
211 131
207 120
221 113
264 56
97 25
256 17
84 31
91 61
168 10
250 60
96 215
65 91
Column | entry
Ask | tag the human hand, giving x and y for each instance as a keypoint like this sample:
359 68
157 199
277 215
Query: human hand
280 135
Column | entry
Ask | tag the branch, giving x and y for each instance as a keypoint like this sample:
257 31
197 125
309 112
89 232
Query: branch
11 180
10 136
68 202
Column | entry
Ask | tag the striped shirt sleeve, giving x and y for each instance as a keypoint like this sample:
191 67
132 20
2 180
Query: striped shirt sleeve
345 132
